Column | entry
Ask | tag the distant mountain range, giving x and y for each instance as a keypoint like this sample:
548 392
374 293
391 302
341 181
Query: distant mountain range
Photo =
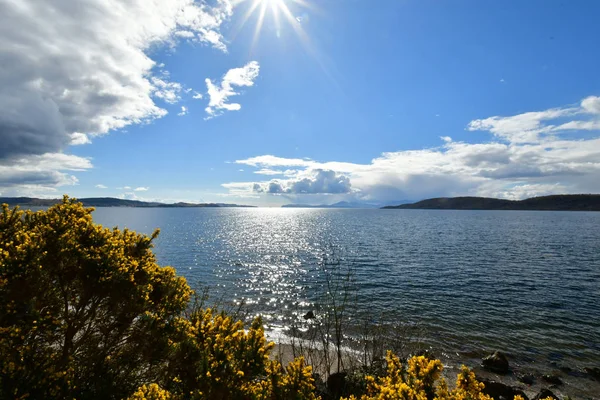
347 204
561 202
106 202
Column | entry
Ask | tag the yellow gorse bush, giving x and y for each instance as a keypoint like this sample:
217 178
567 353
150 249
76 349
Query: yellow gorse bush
151 392
84 309
421 380
214 357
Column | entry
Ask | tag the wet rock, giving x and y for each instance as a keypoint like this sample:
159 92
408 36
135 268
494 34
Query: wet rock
425 353
500 391
566 369
336 384
309 315
594 372
553 379
563 368
545 393
527 379
496 362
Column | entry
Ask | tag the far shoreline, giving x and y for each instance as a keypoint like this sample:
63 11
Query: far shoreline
561 202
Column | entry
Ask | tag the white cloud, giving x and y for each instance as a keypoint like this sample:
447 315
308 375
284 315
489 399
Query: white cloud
86 69
167 91
268 171
197 96
71 73
183 112
316 181
140 189
274 161
532 127
508 167
591 105
128 196
40 173
100 186
185 34
219 94
78 138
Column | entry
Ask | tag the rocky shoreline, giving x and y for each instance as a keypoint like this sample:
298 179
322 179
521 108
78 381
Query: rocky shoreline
503 376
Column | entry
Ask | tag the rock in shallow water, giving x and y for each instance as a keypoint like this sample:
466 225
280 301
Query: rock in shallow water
309 315
527 379
426 353
496 362
500 391
594 372
545 393
553 379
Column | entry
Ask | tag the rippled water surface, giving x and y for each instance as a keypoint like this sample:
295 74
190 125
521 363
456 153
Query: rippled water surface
524 282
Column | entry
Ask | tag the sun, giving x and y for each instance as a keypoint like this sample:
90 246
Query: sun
279 10
281 13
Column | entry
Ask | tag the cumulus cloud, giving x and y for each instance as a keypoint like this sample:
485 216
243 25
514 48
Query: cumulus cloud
183 111
317 181
72 71
219 93
78 138
531 154
591 105
140 189
101 186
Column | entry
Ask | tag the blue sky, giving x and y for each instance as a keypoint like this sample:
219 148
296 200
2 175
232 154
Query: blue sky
320 102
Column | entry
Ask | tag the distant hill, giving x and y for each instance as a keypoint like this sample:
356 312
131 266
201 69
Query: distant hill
343 204
106 202
561 202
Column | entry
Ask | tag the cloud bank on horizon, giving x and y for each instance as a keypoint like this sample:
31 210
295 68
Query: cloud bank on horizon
73 74
529 154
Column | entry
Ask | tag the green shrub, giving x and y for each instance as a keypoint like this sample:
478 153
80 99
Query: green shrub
85 312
